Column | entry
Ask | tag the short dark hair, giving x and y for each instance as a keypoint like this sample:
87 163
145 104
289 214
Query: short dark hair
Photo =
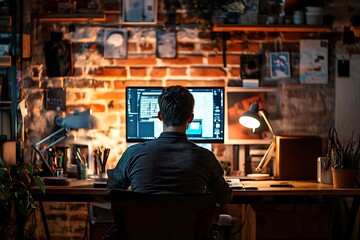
176 105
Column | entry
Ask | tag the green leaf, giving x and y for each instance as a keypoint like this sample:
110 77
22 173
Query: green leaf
29 167
40 183
3 171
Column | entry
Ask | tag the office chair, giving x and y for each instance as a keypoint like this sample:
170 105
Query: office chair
141 216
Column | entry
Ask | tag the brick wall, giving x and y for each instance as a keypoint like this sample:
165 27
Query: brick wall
99 84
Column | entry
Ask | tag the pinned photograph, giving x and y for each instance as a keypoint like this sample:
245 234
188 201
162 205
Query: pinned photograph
279 65
139 11
166 43
314 61
250 66
115 45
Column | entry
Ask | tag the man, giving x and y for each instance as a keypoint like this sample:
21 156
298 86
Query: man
171 163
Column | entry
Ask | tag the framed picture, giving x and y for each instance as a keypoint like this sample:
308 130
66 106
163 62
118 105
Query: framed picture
115 45
250 66
279 65
166 46
314 61
139 11
238 100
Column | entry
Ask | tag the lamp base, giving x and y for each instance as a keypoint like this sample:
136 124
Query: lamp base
259 176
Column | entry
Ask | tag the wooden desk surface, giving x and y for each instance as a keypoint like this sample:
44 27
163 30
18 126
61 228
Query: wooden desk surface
299 188
84 191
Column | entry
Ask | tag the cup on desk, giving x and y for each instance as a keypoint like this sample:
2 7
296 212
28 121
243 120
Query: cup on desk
82 171
59 172
324 174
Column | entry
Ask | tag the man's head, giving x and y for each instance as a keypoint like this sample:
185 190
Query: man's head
176 106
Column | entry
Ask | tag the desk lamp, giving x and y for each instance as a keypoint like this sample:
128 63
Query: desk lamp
73 121
251 119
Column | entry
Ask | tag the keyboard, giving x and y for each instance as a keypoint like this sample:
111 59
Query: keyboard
234 182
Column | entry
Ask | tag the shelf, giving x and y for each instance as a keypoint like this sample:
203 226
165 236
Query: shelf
76 17
5 105
271 28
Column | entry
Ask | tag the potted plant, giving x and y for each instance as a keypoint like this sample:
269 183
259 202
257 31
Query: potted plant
16 202
344 159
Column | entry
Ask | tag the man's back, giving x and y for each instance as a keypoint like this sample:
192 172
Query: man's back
171 164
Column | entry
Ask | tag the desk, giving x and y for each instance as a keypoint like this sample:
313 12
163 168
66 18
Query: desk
83 191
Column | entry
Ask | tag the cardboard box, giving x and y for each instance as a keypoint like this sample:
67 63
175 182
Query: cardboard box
296 157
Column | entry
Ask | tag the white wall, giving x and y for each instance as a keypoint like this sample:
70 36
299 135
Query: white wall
347 101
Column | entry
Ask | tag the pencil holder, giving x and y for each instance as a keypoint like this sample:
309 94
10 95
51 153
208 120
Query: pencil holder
82 171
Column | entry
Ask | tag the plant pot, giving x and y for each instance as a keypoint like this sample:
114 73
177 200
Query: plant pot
344 178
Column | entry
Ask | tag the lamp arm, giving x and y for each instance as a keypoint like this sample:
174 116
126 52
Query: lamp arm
266 158
51 140
263 115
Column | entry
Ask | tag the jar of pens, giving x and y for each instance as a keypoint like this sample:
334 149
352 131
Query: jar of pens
101 158
81 164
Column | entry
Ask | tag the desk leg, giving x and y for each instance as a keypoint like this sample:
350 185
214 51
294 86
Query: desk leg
352 217
43 216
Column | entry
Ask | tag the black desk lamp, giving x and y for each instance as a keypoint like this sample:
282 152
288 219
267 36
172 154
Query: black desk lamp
73 121
251 119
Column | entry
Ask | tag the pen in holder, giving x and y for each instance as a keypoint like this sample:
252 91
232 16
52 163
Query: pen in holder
101 160
81 165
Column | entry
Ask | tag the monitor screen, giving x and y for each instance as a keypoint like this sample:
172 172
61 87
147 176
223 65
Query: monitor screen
142 123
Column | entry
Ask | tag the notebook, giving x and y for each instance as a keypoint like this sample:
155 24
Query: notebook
234 182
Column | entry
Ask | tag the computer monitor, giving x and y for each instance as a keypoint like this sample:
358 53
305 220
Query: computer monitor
142 122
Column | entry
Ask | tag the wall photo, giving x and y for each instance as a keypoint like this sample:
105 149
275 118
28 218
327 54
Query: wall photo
139 11
115 45
279 65
166 46
314 61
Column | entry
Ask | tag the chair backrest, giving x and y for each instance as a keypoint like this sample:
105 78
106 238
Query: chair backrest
141 216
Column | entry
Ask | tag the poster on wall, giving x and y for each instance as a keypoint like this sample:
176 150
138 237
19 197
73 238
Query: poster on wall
313 61
166 43
279 65
139 11
115 45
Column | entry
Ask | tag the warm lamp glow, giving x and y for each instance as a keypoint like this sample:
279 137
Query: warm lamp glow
249 122
251 119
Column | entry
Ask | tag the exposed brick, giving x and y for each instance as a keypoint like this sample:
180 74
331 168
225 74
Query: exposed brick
243 46
107 96
78 72
185 46
178 71
93 107
256 36
218 82
124 83
158 72
136 61
131 47
207 72
218 59
110 72
138 72
215 59
184 60
147 47
234 72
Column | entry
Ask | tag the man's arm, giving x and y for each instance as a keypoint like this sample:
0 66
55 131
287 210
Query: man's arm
117 177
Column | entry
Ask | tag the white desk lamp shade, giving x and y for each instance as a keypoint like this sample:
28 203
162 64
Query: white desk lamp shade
249 122
251 119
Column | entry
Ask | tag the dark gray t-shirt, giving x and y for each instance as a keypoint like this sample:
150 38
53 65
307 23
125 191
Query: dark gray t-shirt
170 164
